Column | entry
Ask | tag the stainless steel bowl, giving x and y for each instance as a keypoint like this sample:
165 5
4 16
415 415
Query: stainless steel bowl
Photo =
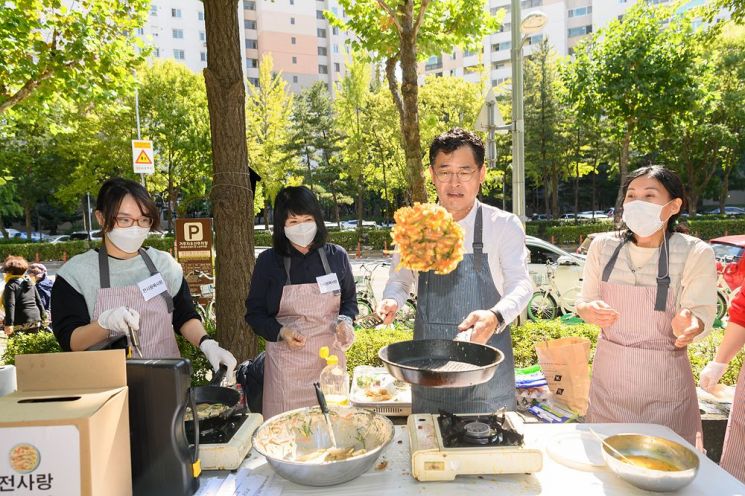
653 447
284 438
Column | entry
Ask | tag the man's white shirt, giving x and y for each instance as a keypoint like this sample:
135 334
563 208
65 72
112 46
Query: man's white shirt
504 244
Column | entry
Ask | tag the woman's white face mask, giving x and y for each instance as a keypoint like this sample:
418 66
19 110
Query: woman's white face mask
302 234
642 217
128 239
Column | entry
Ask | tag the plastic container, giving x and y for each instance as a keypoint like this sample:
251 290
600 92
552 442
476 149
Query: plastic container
334 380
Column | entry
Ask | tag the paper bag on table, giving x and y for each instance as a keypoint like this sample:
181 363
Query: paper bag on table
565 364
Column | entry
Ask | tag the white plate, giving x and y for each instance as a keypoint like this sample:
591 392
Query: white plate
579 450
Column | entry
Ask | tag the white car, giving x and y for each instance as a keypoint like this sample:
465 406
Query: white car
592 214
58 238
567 270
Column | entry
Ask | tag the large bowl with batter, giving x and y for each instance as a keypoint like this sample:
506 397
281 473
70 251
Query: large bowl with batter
657 464
297 444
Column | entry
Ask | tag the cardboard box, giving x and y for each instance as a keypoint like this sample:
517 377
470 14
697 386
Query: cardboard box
66 430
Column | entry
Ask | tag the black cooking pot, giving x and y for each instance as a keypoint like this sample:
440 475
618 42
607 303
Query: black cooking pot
441 363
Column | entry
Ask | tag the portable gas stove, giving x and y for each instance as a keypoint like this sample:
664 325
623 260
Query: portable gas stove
446 445
226 447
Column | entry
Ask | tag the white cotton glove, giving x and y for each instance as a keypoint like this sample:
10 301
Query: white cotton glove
711 374
344 333
120 320
217 355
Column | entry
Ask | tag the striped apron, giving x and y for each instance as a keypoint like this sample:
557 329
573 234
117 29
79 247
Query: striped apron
443 302
289 374
733 453
638 374
157 339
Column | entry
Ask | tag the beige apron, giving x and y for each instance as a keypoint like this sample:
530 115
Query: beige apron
289 374
733 454
638 374
157 339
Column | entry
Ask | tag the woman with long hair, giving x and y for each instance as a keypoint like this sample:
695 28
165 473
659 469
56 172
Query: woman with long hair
652 291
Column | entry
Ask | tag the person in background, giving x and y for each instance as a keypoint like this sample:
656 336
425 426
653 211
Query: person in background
651 290
733 452
122 288
43 283
24 311
302 297
488 289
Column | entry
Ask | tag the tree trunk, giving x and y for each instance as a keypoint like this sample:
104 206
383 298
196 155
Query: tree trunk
547 196
406 102
171 195
724 190
232 198
576 173
267 206
623 170
336 207
555 191
27 218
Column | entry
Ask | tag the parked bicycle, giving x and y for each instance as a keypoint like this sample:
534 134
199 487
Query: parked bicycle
367 302
206 291
548 301
724 293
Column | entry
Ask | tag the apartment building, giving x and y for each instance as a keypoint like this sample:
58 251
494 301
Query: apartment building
304 47
568 22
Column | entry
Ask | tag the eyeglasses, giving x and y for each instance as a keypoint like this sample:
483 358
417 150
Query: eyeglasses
463 175
129 222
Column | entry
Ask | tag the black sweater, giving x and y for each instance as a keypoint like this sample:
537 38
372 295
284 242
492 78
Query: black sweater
269 278
22 302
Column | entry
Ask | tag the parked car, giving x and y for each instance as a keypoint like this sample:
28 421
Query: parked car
36 237
83 235
11 232
350 225
542 252
58 238
727 211
538 217
592 214
729 252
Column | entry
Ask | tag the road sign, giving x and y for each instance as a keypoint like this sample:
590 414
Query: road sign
489 117
194 253
142 157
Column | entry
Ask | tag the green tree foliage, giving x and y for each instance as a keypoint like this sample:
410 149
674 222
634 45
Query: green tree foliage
543 116
638 72
173 113
352 95
81 50
405 32
268 109
730 69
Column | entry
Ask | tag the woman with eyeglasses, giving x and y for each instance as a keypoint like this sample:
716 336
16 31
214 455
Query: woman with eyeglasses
124 289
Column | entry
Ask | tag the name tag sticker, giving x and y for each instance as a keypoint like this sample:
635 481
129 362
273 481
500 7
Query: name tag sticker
152 287
328 283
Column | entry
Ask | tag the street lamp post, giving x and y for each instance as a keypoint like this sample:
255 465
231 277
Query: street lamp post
532 23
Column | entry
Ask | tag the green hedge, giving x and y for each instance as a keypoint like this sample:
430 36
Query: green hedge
364 351
57 251
705 229
378 239
525 336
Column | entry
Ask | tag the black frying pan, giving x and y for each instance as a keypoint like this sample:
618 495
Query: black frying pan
441 363
212 394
